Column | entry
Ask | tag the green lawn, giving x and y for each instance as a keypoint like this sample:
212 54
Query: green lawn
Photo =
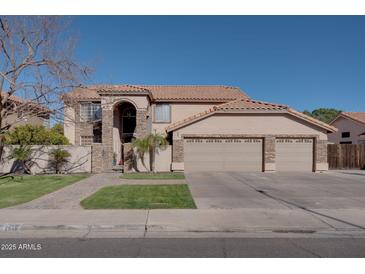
154 176
140 197
23 189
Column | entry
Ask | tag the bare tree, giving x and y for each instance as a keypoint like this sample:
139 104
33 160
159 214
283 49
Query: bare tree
36 63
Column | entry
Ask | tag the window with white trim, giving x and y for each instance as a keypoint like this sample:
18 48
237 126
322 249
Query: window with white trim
162 113
90 112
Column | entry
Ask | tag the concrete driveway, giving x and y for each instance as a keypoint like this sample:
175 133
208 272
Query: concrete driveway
332 190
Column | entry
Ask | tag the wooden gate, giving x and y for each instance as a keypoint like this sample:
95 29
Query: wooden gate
346 156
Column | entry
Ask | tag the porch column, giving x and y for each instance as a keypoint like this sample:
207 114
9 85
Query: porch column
107 136
269 154
141 123
178 155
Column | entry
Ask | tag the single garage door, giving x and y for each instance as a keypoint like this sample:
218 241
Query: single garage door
294 154
223 154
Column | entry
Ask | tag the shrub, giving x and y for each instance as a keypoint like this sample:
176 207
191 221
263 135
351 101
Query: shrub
35 135
58 158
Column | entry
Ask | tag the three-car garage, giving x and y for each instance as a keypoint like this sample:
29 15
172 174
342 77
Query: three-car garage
246 154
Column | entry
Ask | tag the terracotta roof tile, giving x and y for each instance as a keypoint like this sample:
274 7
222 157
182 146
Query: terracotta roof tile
161 93
357 116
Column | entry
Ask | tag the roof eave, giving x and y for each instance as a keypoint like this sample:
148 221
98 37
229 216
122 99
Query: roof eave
343 115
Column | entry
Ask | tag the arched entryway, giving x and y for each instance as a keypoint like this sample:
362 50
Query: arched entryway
124 127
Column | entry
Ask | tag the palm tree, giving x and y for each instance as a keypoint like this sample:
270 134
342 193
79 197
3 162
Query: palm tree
58 158
23 155
151 143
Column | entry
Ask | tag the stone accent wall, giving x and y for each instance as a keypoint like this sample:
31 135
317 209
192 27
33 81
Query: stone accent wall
97 158
321 151
178 151
321 162
269 147
141 123
269 153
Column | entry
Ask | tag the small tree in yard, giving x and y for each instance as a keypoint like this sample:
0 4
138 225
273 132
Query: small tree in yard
151 144
23 155
58 158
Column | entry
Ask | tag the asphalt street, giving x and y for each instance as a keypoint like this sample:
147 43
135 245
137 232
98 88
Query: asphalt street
185 247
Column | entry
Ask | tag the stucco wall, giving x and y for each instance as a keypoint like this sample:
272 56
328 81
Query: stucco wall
260 124
343 125
80 160
179 112
69 124
162 162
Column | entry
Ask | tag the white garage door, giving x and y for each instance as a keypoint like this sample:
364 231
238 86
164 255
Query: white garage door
294 154
223 154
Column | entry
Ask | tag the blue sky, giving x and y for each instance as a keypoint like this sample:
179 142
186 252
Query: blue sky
306 62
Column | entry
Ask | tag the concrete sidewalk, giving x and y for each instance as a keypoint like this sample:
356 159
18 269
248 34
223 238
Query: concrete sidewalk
172 223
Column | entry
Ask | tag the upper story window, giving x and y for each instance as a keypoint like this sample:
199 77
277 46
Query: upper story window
90 112
345 134
162 113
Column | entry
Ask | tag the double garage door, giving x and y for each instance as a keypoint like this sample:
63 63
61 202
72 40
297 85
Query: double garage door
245 154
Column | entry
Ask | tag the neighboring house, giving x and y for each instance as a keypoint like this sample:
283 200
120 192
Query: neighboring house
351 128
209 128
22 112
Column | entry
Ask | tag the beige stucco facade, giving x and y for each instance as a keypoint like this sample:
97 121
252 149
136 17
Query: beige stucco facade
252 124
69 124
267 126
346 125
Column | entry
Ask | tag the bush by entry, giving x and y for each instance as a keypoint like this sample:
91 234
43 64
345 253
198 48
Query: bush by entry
23 189
140 197
154 176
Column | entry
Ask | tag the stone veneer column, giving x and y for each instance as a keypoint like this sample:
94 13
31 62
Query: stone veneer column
178 154
141 123
269 154
107 136
97 158
321 163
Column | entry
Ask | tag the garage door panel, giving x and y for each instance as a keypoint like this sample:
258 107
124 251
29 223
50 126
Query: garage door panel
294 154
223 155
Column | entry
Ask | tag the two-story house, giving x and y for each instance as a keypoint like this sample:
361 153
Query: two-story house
209 128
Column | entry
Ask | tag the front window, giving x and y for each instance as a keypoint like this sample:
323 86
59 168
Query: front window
90 112
162 113
345 134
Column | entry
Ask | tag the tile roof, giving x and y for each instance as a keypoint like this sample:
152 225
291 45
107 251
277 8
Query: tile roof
246 104
164 93
195 93
356 116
